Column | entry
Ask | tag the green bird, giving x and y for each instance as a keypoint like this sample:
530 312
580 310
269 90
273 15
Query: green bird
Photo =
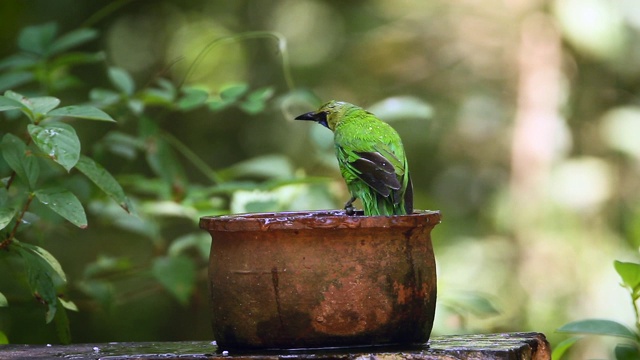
371 158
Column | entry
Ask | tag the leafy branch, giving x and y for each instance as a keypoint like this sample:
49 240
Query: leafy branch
49 139
630 275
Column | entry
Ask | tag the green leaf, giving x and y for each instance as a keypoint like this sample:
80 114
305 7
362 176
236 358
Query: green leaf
122 144
121 79
105 265
264 167
76 58
82 112
37 39
234 92
261 94
9 104
69 305
14 79
157 96
560 349
20 159
104 180
18 61
57 140
167 85
49 259
3 300
26 107
165 94
627 352
110 212
201 241
3 338
4 196
72 39
192 98
177 274
217 105
100 290
163 161
41 275
253 107
6 214
64 203
630 274
257 100
476 303
65 81
136 106
15 96
598 327
42 105
104 96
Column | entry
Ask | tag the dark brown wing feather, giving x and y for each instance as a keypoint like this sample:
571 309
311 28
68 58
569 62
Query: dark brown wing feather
408 197
377 172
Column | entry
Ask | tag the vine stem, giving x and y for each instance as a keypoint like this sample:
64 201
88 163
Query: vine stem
282 46
6 242
191 156
104 12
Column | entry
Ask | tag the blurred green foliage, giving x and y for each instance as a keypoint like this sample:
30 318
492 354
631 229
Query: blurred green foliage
519 118
58 143
629 348
164 193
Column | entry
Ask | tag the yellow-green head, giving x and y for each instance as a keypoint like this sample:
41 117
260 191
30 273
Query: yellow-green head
331 113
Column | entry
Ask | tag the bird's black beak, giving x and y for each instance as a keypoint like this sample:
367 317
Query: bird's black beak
320 117
313 116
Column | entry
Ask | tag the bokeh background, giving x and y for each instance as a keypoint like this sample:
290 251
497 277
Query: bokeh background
520 118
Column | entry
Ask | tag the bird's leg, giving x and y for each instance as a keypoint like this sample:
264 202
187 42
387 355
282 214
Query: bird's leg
348 206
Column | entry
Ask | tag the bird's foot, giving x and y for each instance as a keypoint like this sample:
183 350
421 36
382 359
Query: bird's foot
349 208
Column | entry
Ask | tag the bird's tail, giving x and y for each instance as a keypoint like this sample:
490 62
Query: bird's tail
376 204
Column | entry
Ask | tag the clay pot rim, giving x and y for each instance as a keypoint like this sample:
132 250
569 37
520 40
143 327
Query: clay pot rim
324 219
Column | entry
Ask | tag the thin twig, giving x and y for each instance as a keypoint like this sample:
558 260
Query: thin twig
6 242
104 12
11 178
192 157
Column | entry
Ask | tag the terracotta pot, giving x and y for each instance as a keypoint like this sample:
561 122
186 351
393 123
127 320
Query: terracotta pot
318 279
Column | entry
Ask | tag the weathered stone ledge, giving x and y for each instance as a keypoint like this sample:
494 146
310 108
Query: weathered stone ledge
508 346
